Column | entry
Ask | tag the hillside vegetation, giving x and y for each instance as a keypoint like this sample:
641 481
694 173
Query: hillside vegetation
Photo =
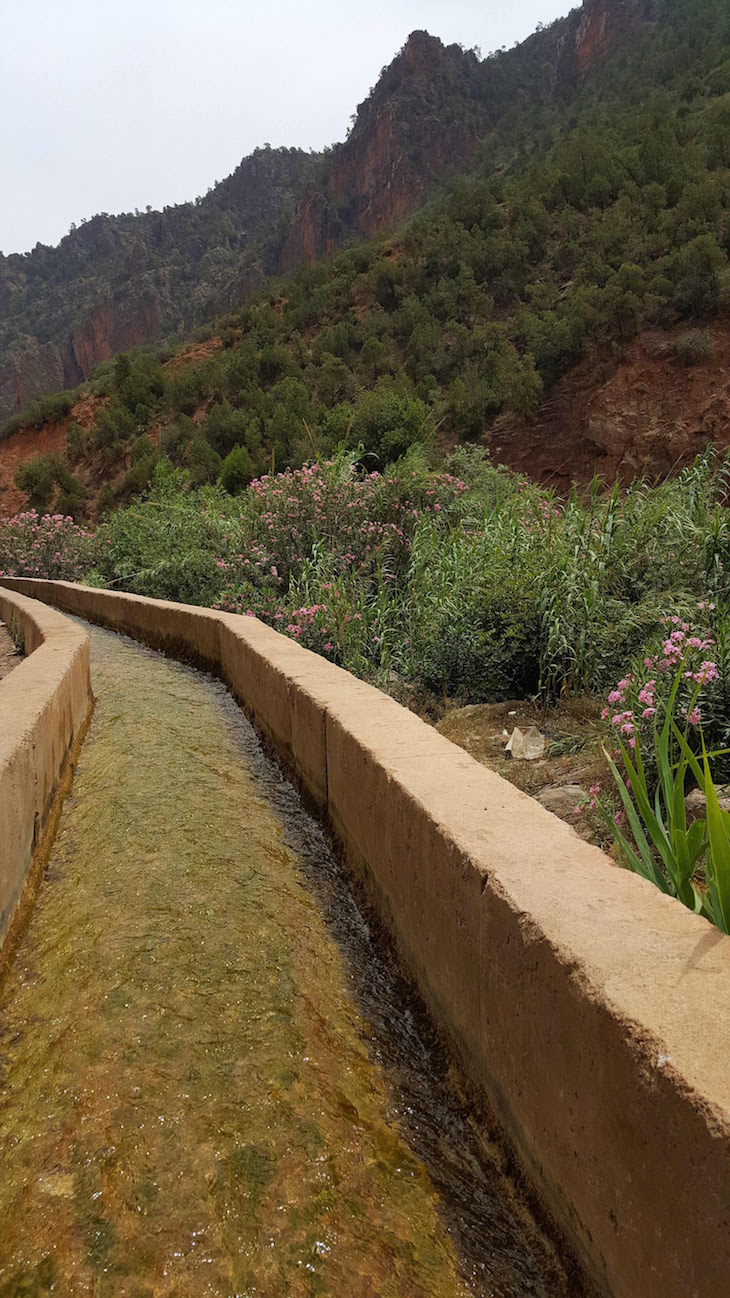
580 224
467 581
119 281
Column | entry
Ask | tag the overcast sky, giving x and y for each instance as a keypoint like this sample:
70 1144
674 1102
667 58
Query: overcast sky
108 105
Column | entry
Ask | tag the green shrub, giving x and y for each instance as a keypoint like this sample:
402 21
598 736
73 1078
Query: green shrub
49 483
226 427
76 443
203 463
37 477
164 547
385 423
106 500
694 347
236 471
114 428
51 409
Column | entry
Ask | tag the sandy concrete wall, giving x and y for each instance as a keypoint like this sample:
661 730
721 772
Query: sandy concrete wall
44 702
592 1011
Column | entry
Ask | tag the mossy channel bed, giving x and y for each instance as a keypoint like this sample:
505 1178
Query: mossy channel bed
210 1079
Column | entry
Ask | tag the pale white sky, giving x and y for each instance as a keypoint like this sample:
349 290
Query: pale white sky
108 105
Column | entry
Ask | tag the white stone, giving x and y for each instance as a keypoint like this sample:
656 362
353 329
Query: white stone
527 747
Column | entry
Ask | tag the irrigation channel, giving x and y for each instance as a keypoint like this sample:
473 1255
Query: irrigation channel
211 1082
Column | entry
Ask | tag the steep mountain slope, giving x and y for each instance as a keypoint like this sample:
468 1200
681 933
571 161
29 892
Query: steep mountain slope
116 282
565 301
431 107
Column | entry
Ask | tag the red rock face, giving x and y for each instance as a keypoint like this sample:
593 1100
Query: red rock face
404 134
371 174
423 114
602 24
592 40
31 373
91 343
310 235
376 177
106 331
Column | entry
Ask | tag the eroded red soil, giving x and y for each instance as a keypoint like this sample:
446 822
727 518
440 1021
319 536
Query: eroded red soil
645 415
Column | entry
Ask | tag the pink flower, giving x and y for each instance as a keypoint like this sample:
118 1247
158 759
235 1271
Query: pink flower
707 673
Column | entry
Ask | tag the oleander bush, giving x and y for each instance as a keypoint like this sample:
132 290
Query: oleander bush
464 579
49 545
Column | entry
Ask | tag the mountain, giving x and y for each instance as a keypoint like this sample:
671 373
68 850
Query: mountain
561 296
119 281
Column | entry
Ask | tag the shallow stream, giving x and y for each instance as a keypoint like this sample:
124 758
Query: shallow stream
211 1082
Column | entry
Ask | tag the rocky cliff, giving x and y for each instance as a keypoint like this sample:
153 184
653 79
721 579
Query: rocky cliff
429 110
600 24
119 281
116 282
424 112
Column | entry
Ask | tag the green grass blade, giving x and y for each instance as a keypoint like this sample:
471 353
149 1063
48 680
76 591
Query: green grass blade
650 869
718 833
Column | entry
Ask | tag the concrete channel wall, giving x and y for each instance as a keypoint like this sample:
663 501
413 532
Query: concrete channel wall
592 1012
44 702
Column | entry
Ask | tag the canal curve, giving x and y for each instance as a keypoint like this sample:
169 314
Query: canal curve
213 1079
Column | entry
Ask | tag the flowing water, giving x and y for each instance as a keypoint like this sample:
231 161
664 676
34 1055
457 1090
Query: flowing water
210 1079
